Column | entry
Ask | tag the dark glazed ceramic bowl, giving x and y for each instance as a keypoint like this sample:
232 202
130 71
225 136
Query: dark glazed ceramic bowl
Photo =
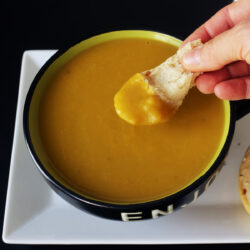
124 212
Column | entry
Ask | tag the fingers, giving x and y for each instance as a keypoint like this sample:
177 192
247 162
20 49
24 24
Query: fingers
234 89
207 81
211 28
221 83
238 69
223 20
226 37
230 46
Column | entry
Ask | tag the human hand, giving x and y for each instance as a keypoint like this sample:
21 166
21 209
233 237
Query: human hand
225 56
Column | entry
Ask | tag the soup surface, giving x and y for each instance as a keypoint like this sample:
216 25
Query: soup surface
103 156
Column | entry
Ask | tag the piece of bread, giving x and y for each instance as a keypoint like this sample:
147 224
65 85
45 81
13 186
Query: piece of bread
244 181
170 80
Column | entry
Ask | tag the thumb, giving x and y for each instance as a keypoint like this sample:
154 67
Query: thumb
231 45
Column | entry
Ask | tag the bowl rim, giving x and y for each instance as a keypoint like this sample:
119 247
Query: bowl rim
87 200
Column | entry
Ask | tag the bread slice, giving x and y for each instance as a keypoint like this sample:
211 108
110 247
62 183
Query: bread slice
170 80
153 96
244 181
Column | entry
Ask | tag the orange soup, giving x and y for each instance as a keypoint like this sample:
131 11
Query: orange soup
106 158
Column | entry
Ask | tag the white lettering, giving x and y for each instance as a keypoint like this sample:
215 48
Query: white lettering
127 217
157 212
196 193
210 180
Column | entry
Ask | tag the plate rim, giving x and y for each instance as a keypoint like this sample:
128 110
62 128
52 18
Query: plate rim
7 237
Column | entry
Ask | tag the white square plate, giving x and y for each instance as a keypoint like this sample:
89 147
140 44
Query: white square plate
34 214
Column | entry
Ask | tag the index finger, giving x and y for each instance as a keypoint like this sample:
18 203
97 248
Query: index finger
223 20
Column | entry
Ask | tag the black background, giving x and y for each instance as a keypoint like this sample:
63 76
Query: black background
39 24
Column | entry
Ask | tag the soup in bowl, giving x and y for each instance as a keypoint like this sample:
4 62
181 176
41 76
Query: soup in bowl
104 165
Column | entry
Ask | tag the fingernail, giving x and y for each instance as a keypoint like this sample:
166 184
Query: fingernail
192 57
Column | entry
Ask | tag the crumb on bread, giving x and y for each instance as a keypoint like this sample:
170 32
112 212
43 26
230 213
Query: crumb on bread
170 79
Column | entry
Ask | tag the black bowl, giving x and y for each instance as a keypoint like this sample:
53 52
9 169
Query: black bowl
124 212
